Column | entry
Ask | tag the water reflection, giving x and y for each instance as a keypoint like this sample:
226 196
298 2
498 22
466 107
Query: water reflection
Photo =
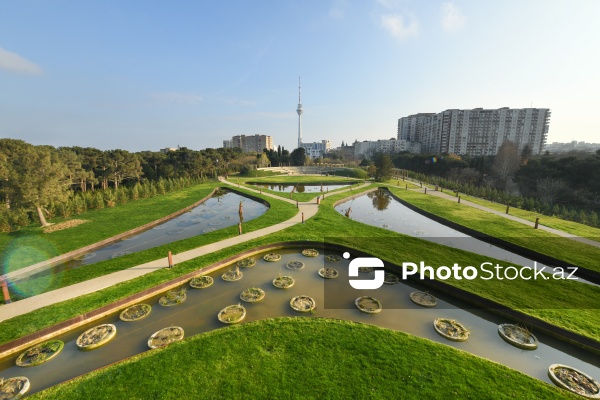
300 188
381 199
199 314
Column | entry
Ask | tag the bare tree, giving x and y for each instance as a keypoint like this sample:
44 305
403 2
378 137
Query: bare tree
549 189
506 162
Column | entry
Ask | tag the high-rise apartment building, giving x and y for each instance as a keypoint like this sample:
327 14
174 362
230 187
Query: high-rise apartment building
476 131
316 149
251 143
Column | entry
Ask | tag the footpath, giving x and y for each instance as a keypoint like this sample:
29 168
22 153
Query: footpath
306 209
445 195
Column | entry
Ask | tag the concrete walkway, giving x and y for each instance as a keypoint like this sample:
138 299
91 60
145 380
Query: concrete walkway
453 198
70 292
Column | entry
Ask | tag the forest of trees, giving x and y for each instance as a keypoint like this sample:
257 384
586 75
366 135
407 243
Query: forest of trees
40 182
565 185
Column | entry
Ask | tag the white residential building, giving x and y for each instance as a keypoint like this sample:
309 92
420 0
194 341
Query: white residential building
478 131
317 149
367 147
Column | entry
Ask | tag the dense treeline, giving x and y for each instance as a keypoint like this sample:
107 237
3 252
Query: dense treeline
39 182
562 185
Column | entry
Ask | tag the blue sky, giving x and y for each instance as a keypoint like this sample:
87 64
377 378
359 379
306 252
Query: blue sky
142 75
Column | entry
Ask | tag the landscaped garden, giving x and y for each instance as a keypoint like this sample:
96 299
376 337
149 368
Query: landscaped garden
459 370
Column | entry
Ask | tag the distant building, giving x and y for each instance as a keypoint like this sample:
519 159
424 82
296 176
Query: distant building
251 143
367 147
317 149
168 149
477 131
557 147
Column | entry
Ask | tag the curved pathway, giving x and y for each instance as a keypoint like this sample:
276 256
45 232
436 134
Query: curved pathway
557 232
309 209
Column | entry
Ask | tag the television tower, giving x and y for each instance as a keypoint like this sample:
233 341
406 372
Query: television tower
299 111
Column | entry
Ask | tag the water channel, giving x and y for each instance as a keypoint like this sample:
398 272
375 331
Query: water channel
379 208
199 314
219 211
300 188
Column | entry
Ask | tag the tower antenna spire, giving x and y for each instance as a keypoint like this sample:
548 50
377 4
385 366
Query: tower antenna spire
299 111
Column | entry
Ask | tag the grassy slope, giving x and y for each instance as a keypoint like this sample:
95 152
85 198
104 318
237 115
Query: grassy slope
543 299
304 358
278 212
544 242
101 224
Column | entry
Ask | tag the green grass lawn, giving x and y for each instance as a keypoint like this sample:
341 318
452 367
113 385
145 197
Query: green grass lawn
304 358
30 245
542 299
541 241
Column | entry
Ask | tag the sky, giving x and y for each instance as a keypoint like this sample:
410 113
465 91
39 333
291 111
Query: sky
144 75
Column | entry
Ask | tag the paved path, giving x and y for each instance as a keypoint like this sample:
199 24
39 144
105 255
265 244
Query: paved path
56 296
557 232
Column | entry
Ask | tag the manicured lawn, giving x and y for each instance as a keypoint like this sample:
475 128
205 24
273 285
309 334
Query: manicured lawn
304 358
549 300
543 242
30 245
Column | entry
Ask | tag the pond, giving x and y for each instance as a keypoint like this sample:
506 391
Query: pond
300 188
219 211
199 314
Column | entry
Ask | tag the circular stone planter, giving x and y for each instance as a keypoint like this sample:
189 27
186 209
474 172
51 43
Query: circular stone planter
303 303
13 388
333 258
295 265
96 337
40 353
272 257
391 279
201 281
232 314
366 269
173 297
165 336
328 273
310 252
368 304
518 336
85 256
232 275
423 299
451 329
283 282
574 380
247 262
135 312
252 295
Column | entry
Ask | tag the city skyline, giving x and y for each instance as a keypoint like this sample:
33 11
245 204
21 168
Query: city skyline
197 74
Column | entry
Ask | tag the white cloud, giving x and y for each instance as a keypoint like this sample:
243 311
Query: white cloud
176 98
15 63
452 18
398 27
239 102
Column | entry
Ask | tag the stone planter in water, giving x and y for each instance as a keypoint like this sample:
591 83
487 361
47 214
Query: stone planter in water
165 336
173 297
40 353
310 252
252 295
574 380
283 282
247 262
390 279
303 303
295 265
96 337
451 329
518 336
135 312
328 273
232 314
13 388
332 258
201 281
423 299
232 275
368 304
272 257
